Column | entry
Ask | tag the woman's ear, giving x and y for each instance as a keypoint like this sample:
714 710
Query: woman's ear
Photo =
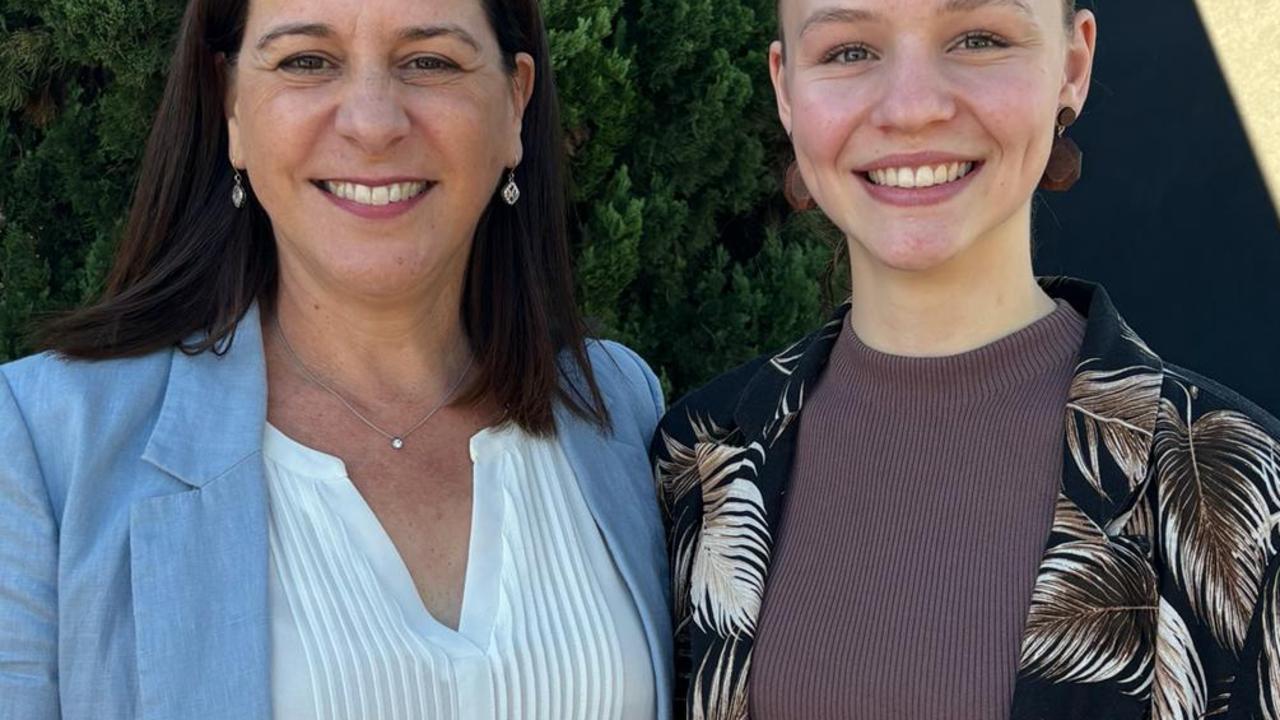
778 73
522 85
1079 67
227 70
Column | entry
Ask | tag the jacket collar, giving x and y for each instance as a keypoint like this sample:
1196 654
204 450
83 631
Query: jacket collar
1112 355
1115 394
214 408
776 392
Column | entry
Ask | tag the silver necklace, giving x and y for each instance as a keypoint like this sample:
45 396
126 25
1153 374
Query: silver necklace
397 441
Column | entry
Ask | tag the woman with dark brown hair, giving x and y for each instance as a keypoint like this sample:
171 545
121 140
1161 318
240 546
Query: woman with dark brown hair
972 495
333 444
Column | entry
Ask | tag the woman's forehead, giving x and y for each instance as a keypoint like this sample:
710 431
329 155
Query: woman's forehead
355 17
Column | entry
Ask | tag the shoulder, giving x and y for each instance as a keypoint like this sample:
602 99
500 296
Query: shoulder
52 390
713 404
631 391
753 393
1189 397
619 368
74 413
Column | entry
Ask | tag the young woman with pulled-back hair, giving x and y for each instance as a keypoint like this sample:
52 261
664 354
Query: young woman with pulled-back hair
973 494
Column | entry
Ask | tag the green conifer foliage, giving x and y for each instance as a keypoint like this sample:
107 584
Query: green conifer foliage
684 248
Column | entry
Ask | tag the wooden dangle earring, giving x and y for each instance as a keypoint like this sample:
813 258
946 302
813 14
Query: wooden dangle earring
238 195
1066 161
796 191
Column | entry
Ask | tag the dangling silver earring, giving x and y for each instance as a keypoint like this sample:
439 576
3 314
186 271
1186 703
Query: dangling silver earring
238 195
511 191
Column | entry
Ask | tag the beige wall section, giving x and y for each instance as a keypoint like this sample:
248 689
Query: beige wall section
1245 35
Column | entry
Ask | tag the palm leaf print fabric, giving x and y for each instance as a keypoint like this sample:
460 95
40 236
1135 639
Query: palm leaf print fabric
1158 593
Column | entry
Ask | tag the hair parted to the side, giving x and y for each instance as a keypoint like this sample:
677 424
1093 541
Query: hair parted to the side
189 265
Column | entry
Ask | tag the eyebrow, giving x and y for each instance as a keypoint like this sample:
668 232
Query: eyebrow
426 32
320 30
839 15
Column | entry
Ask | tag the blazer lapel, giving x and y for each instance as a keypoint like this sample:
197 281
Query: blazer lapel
1091 638
199 557
1111 410
768 417
628 519
743 485
200 599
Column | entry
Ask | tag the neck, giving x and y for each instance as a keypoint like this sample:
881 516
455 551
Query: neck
986 293
381 351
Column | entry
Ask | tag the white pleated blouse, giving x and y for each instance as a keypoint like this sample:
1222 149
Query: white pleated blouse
547 629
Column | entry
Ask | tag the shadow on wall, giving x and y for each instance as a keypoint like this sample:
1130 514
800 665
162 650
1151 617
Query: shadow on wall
1172 215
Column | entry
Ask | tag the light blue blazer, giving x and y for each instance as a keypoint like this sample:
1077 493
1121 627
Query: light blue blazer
133 529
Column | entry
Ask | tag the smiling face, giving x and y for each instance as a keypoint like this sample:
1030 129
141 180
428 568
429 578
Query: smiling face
922 127
374 134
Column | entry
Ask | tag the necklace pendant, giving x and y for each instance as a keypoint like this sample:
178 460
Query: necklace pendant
397 443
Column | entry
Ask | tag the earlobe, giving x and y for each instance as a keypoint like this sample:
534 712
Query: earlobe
234 150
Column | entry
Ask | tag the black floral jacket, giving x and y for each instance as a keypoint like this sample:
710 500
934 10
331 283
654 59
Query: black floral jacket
1159 592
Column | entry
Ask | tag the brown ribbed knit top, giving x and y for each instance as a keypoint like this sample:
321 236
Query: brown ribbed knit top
919 506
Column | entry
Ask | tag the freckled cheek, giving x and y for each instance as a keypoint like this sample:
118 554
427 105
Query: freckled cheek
824 120
282 128
1015 111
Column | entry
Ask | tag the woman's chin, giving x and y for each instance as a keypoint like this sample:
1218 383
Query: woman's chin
916 252
379 281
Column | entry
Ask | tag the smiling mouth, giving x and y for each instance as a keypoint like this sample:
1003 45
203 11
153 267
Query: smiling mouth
921 177
374 195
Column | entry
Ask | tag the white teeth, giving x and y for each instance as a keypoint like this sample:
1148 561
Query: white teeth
921 177
375 196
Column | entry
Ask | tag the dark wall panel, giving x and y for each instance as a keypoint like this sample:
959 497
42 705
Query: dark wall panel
1172 214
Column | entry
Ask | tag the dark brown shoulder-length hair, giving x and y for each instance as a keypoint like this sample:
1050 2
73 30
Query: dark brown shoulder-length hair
190 265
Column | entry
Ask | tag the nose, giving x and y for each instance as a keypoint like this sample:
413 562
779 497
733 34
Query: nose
915 95
371 115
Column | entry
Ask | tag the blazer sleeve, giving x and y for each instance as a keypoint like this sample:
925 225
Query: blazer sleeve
28 574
